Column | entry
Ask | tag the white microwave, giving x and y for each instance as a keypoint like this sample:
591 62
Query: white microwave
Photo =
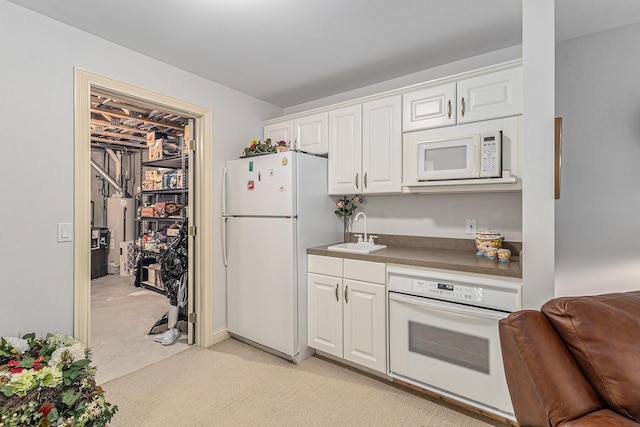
461 157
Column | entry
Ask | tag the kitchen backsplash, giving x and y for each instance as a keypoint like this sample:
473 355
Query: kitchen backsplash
442 215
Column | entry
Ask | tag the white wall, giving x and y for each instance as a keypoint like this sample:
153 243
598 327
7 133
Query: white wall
36 87
597 216
538 152
456 67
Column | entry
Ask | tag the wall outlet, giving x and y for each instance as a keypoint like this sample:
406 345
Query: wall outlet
471 226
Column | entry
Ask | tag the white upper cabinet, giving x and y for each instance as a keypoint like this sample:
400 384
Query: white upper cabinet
345 150
485 97
365 148
308 133
281 131
382 145
490 96
429 108
311 133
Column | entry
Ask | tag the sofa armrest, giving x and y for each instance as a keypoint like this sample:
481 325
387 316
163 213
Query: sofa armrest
602 418
545 384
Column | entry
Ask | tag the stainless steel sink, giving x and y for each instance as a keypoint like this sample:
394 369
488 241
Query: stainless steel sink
357 248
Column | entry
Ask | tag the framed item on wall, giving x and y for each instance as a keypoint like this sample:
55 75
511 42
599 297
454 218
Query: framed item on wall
558 156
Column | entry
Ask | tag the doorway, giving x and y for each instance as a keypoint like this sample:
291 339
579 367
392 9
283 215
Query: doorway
200 309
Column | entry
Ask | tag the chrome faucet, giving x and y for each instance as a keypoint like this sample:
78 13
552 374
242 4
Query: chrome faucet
365 224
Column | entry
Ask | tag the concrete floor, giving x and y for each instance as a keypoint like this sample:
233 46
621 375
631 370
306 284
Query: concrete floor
121 317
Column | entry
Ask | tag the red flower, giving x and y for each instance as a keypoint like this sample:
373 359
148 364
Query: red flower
45 408
13 363
37 363
16 370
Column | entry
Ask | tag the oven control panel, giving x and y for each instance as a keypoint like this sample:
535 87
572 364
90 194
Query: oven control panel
447 291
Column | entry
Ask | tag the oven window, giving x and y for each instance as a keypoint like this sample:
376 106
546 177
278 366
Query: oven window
450 346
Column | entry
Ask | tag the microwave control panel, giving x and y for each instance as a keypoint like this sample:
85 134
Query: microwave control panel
491 155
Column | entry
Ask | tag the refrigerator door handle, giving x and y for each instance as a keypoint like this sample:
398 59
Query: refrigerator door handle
223 203
223 234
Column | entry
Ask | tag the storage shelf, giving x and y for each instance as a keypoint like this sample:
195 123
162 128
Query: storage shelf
171 191
157 218
172 162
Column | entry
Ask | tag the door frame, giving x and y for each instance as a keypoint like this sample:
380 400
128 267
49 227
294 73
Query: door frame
201 196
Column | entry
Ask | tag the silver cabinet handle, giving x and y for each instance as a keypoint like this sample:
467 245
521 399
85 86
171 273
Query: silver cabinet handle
449 109
337 297
346 294
357 175
462 106
365 180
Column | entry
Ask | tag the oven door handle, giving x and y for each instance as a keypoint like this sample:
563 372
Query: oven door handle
447 306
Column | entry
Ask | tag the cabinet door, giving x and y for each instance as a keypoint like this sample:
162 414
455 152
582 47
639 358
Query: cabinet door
429 108
311 133
382 145
324 297
281 131
490 96
345 150
364 324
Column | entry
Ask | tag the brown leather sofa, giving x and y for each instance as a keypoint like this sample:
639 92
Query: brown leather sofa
576 362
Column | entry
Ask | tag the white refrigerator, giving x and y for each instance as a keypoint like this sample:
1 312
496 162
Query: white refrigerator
274 207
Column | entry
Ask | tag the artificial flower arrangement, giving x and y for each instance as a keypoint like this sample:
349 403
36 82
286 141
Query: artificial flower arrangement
258 147
49 382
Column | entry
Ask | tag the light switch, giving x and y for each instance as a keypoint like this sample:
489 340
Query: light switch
65 232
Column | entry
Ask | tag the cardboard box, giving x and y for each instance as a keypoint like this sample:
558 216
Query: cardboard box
155 150
172 179
147 212
154 274
185 139
147 185
152 136
172 209
157 184
150 175
159 210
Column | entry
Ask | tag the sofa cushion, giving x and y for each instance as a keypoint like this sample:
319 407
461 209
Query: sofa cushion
602 332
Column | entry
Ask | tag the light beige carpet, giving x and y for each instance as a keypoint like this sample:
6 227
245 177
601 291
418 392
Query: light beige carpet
233 384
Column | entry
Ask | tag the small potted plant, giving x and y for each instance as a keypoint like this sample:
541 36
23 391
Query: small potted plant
282 146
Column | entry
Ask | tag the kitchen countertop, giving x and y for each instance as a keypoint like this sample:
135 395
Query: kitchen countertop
448 254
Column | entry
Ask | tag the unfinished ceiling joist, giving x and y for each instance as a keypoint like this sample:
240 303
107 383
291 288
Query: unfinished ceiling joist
141 119
119 143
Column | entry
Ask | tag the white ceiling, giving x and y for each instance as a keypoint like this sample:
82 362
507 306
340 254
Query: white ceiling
288 52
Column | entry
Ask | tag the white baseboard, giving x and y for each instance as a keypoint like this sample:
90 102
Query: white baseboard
220 335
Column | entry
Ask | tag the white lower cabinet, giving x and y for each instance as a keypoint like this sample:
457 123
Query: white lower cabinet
347 310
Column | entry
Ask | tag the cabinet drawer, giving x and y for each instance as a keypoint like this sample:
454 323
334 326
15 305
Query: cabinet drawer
328 266
365 271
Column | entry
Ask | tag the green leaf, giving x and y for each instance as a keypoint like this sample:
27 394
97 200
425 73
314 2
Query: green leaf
80 363
53 415
70 397
7 391
27 362
5 353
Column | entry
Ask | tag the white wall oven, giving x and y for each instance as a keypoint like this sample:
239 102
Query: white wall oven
443 333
